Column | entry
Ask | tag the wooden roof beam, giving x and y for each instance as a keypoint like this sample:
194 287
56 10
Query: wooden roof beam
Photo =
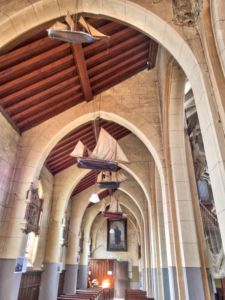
38 86
34 62
142 55
79 58
64 166
118 77
31 103
49 112
48 102
117 59
152 53
115 50
36 75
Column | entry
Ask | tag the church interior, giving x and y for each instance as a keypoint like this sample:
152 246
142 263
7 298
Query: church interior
112 149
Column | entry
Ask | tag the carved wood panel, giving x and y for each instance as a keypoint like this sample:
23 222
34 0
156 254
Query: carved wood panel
30 284
99 269
33 211
61 282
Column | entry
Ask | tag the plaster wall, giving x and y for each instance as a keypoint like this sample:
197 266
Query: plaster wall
9 139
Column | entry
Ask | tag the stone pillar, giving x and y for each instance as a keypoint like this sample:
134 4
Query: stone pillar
13 244
164 278
83 266
50 275
72 257
9 281
156 258
49 282
183 213
12 210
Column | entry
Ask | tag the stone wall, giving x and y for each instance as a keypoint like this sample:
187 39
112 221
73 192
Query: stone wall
9 139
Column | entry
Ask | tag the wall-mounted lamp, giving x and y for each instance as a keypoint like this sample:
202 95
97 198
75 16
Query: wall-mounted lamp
109 273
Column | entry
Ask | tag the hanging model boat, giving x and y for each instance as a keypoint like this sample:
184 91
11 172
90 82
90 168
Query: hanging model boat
105 156
114 211
110 180
68 33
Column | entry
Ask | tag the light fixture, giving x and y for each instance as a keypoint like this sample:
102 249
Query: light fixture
94 198
109 273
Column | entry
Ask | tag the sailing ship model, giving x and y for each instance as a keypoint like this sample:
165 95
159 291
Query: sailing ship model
68 33
110 180
114 210
105 156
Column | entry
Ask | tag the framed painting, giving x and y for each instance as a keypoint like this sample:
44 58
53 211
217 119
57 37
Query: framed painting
117 235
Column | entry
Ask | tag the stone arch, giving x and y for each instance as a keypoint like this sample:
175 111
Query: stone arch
148 22
80 173
33 15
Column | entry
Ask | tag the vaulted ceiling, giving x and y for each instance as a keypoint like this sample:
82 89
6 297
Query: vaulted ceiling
41 78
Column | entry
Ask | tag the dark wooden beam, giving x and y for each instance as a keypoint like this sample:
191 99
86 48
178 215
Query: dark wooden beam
116 38
25 52
70 140
126 54
64 166
34 62
38 86
49 112
36 75
79 58
152 53
108 53
118 77
26 106
48 102
114 70
61 164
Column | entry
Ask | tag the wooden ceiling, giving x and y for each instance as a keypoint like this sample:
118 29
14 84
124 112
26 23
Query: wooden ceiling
41 77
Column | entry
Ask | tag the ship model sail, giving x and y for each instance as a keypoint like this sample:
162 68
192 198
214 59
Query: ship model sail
105 156
68 33
110 180
114 210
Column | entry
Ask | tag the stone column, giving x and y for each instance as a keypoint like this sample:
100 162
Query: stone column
12 209
50 275
72 257
183 213
83 266
165 285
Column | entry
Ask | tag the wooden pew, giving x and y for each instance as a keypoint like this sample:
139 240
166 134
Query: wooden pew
134 294
87 294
